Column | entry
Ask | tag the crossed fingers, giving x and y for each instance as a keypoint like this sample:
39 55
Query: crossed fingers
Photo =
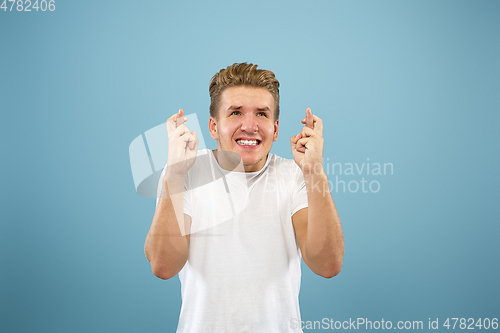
175 121
313 127
177 129
313 122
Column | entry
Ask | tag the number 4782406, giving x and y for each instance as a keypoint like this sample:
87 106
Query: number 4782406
28 6
470 323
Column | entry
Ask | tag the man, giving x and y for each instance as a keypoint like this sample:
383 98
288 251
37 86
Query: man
236 241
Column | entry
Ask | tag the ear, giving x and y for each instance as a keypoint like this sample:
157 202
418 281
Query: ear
212 127
276 127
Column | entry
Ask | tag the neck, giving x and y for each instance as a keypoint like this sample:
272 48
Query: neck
231 161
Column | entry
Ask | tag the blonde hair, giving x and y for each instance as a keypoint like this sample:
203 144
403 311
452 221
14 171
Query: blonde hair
242 74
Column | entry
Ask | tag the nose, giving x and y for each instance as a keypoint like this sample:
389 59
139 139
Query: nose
249 124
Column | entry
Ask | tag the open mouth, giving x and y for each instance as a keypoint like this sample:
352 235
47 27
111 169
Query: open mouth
248 142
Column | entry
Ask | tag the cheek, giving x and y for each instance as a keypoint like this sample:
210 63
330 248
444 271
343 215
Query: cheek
225 132
267 127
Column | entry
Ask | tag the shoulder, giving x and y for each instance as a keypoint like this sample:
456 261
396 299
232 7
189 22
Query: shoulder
203 152
201 172
202 160
284 165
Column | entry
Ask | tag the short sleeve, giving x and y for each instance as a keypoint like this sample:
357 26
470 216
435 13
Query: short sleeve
160 185
187 197
299 192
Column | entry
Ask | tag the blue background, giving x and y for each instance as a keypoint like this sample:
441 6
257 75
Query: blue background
412 83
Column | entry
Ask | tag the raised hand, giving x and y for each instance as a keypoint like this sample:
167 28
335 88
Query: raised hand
182 145
307 146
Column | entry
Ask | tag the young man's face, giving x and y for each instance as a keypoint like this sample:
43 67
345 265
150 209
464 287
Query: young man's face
246 124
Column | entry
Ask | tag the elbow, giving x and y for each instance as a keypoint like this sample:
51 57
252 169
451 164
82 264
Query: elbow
328 273
166 270
159 270
330 270
163 269
162 273
333 267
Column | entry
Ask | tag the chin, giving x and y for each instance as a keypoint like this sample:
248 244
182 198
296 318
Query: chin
249 162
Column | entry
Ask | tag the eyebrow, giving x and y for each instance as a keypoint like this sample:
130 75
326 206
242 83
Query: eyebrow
232 107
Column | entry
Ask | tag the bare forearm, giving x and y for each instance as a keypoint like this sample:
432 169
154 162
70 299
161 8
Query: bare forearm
325 241
166 243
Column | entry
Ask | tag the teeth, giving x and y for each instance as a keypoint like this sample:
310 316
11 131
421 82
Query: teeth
247 142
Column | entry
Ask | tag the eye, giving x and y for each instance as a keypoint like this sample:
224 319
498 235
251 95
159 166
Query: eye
235 113
262 114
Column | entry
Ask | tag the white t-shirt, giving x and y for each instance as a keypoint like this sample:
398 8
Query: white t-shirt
243 270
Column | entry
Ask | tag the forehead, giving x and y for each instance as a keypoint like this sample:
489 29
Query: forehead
247 97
